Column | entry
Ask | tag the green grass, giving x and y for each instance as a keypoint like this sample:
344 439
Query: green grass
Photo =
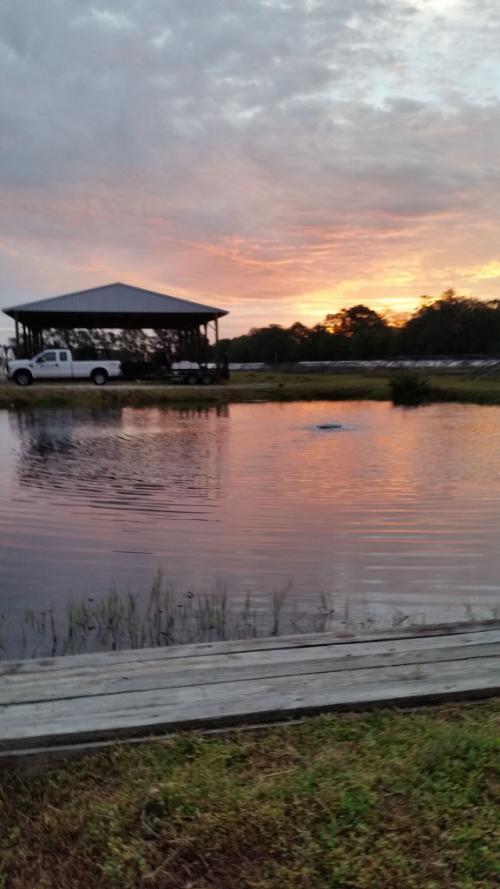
388 800
244 386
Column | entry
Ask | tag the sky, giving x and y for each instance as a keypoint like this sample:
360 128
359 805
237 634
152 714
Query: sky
277 158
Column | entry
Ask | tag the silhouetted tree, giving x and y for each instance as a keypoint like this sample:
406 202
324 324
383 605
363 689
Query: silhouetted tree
452 325
354 320
447 325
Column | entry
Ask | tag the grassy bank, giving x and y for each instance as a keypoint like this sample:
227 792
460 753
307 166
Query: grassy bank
243 387
379 801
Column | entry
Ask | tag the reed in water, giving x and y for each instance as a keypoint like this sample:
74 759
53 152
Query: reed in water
163 616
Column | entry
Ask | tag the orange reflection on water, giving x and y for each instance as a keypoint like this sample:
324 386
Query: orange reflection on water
397 513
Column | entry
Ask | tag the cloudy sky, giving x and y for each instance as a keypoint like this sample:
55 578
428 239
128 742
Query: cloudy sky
279 158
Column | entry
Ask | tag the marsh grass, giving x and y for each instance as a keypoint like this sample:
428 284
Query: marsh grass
161 617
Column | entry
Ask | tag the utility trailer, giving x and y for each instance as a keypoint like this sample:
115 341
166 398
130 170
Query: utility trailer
183 373
192 373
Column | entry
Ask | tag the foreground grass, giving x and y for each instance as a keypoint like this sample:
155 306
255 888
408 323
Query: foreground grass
243 387
395 800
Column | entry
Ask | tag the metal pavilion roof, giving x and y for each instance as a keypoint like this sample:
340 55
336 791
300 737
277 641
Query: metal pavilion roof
114 305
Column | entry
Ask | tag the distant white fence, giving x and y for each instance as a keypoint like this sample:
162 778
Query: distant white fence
394 364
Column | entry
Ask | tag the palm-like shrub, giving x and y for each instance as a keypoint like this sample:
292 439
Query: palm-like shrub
409 387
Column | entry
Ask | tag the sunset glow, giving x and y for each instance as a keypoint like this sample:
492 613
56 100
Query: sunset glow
280 159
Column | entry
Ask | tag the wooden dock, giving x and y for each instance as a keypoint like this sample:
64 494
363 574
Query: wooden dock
64 704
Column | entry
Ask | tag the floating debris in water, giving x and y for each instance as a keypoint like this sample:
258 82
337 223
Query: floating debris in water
329 426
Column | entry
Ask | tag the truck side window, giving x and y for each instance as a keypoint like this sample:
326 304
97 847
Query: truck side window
63 356
47 356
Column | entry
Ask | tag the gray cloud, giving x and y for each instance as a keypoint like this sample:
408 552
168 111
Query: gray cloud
257 150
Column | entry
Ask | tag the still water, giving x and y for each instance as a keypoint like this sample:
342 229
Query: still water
399 511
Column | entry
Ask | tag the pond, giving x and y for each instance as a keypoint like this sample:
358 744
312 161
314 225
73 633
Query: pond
395 515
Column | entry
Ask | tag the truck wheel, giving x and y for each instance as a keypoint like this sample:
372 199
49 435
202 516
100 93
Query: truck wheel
23 378
206 379
99 376
192 379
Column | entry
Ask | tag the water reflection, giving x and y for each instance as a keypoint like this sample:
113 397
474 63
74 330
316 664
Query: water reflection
398 513
150 462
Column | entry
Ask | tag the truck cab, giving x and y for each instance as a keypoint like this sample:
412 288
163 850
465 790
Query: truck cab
51 364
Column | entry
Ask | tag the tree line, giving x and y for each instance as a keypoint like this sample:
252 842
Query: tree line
450 325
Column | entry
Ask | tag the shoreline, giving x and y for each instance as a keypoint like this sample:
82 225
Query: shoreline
245 387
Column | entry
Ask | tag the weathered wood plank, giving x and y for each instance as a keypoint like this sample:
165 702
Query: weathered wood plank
235 646
120 678
120 715
87 698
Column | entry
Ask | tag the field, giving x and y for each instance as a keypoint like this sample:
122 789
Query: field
385 800
243 387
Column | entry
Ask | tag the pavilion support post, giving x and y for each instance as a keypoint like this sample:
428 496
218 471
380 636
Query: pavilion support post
17 335
217 356
199 346
205 341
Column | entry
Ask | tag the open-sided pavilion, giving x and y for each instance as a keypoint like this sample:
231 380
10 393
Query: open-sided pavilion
118 306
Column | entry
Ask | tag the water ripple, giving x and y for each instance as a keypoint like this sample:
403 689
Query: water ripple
398 508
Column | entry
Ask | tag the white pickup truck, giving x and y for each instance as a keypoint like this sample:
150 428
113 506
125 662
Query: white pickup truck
58 364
